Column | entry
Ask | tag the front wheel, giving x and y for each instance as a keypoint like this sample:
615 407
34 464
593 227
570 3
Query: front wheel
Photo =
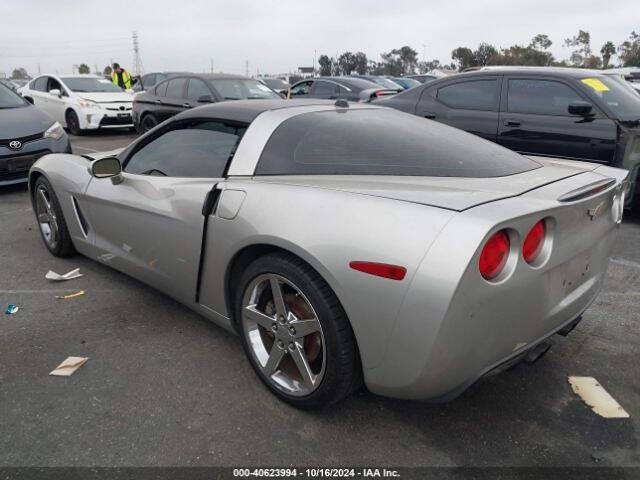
51 221
73 124
295 332
148 122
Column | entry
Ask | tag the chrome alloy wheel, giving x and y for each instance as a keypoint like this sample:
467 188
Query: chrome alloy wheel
47 216
284 334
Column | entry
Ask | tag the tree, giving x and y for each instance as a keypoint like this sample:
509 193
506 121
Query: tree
424 67
408 58
629 51
325 65
84 69
463 58
346 63
485 54
20 74
582 42
607 51
540 42
360 61
107 71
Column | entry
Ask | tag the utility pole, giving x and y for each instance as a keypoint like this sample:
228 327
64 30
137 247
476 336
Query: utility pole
39 72
246 68
137 61
212 65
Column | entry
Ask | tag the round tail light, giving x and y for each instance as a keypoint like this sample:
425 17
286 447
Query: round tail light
494 255
533 242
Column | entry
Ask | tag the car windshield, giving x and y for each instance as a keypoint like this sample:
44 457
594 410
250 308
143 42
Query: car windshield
90 84
276 83
386 83
10 99
615 94
407 82
241 89
382 142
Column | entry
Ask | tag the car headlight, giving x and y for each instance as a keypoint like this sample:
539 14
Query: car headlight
55 131
88 103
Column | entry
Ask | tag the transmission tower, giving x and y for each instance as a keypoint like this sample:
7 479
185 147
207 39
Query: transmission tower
137 61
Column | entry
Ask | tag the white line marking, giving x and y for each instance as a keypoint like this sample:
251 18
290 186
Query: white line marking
594 395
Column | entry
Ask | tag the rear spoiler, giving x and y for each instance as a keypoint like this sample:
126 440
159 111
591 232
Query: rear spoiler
372 93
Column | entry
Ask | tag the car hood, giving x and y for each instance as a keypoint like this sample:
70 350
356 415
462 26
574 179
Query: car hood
106 97
453 193
23 122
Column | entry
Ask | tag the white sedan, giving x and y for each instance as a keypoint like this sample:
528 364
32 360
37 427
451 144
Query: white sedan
81 102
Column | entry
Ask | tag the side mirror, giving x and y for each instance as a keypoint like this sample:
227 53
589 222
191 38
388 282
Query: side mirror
55 92
205 99
106 167
580 108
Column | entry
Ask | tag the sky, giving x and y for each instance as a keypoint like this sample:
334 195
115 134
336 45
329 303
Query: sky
280 36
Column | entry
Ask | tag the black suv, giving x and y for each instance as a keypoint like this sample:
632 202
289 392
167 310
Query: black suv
555 112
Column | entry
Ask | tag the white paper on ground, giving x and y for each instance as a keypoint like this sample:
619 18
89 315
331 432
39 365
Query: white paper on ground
70 365
56 277
592 393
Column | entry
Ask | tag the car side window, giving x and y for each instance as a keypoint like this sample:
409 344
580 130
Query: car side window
175 89
324 89
301 89
200 150
541 97
471 95
161 89
196 89
148 80
40 84
54 84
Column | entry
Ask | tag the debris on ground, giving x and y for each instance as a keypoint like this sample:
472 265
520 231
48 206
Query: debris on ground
11 309
594 395
71 295
69 366
56 277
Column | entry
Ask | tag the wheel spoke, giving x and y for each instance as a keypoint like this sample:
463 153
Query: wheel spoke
278 299
44 200
305 327
300 359
275 356
251 313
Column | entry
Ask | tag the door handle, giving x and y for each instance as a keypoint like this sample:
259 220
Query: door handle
512 123
429 115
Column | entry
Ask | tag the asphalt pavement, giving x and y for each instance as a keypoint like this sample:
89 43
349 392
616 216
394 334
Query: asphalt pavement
165 387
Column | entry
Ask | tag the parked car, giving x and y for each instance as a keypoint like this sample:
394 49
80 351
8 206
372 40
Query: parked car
276 84
150 79
81 102
556 112
344 242
332 88
179 93
405 82
381 80
422 78
631 75
26 134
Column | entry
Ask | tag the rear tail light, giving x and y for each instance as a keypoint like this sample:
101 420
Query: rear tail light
494 255
394 272
533 242
383 93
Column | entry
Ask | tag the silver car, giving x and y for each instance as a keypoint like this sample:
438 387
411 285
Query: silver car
344 243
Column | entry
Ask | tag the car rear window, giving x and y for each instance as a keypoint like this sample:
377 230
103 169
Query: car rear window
382 142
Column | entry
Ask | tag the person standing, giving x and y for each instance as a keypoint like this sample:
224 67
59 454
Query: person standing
120 77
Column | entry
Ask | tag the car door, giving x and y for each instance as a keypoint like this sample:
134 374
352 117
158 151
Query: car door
468 104
38 92
198 93
57 105
324 89
535 119
301 89
173 99
148 222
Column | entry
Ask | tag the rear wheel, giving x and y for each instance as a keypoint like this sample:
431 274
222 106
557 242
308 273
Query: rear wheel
148 122
295 332
73 124
51 222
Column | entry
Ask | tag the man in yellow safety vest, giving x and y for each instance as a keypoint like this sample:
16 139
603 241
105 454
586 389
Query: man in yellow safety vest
120 77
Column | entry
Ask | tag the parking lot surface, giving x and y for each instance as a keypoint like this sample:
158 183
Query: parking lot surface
165 387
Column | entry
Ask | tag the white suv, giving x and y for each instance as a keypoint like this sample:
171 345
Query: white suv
81 102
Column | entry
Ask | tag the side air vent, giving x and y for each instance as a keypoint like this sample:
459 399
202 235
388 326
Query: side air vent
587 191
81 218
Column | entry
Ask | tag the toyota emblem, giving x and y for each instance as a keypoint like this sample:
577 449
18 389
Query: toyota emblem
15 145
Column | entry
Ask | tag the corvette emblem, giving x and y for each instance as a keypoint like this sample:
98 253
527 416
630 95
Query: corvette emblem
593 212
15 145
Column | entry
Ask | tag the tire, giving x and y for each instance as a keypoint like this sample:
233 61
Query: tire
330 354
147 122
73 124
51 221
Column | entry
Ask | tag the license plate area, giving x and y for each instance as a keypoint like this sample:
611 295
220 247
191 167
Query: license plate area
570 275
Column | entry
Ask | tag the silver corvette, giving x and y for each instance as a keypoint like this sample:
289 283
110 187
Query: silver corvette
344 243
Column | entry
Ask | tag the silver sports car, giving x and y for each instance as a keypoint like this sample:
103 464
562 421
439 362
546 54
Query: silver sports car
344 243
